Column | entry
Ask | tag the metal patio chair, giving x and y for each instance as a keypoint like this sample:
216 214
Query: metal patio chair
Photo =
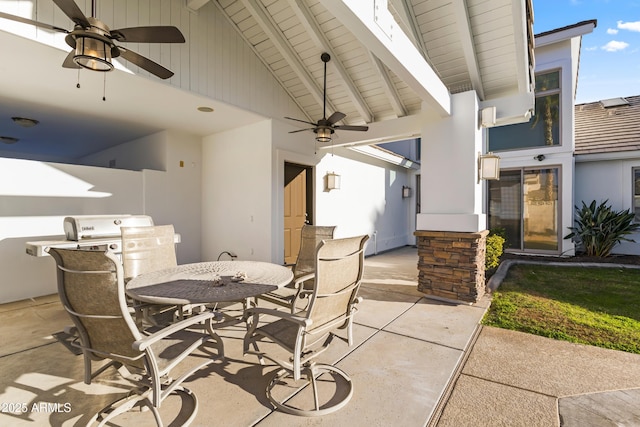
303 269
91 289
144 250
332 304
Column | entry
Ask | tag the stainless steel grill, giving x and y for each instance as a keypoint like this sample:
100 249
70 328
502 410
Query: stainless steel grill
99 232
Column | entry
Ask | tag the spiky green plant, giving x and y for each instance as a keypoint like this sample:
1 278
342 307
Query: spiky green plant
598 228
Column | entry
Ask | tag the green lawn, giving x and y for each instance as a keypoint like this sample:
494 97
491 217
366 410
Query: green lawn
596 306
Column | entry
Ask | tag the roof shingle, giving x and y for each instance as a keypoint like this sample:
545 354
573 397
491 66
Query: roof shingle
606 130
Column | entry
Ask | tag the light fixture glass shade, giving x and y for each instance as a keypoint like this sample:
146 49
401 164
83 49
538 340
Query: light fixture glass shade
406 192
488 167
323 135
93 54
332 181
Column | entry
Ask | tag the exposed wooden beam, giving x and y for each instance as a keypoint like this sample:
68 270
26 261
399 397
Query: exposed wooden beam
468 46
393 47
389 88
308 21
266 65
256 9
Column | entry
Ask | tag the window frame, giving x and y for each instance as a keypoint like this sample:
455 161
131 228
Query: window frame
554 91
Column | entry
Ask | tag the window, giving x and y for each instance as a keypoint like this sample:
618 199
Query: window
636 193
524 202
543 129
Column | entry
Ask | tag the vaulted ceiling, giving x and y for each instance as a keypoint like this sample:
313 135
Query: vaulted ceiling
486 45
406 56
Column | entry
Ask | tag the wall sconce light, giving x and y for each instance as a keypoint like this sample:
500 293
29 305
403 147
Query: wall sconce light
539 157
488 166
406 192
332 181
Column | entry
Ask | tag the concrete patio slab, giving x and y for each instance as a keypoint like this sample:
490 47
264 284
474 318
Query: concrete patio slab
620 408
397 380
451 325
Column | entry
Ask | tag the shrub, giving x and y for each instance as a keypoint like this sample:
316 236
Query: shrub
495 244
599 228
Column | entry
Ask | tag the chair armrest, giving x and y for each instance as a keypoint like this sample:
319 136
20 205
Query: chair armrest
280 314
298 282
143 343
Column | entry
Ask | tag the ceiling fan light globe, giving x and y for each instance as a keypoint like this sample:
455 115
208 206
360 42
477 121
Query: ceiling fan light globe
323 134
93 54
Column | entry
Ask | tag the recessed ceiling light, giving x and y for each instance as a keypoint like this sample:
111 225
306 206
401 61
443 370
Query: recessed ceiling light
25 122
8 139
205 109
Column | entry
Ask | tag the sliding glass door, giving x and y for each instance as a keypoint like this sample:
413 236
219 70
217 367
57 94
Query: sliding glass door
524 202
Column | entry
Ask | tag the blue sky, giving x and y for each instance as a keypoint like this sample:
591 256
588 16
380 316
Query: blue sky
610 56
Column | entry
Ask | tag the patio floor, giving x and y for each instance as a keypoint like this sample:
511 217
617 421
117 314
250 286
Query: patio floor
408 354
405 353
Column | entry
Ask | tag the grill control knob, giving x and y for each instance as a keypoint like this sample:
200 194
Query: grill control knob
113 246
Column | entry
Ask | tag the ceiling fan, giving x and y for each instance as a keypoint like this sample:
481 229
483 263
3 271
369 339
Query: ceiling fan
93 43
325 127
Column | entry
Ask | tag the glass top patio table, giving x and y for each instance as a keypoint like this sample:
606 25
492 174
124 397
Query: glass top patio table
209 282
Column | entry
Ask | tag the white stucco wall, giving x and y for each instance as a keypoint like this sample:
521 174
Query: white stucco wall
36 196
608 180
236 193
243 195
369 201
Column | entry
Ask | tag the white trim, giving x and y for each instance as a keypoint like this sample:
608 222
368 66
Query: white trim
567 34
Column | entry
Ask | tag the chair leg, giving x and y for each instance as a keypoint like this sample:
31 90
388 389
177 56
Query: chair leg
124 404
311 372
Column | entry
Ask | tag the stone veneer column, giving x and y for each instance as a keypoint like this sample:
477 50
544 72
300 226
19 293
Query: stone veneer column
451 264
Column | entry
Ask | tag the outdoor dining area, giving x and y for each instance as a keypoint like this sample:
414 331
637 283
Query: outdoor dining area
138 340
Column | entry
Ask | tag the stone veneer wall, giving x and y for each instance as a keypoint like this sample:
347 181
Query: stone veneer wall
451 264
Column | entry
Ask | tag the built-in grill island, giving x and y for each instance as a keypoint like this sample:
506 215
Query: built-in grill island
96 232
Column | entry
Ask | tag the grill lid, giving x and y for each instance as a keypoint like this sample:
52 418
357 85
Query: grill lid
86 227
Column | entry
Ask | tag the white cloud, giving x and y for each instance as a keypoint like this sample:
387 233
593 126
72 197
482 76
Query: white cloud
614 46
631 26
612 31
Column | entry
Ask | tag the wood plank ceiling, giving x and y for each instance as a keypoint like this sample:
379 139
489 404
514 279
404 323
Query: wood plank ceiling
486 45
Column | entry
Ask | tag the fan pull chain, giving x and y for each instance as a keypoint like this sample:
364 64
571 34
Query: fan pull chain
104 88
78 84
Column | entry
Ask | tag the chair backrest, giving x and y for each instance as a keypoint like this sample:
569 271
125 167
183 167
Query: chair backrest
311 236
147 249
339 267
91 289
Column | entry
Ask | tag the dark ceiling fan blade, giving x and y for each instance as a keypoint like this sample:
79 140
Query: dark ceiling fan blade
146 63
336 117
32 22
301 130
152 34
303 121
68 61
71 9
350 127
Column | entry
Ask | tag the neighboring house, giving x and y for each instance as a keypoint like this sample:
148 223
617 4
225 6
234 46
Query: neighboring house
607 156
533 199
